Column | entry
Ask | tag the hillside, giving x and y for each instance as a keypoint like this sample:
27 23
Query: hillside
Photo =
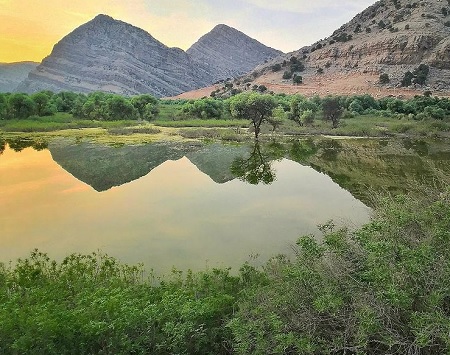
12 74
391 37
112 56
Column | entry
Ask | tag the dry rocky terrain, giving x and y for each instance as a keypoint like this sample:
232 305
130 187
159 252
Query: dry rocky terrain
390 37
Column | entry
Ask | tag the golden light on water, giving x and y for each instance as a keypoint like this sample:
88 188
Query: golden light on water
174 216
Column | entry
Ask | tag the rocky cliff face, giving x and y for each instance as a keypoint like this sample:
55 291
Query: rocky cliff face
226 53
12 74
113 56
390 37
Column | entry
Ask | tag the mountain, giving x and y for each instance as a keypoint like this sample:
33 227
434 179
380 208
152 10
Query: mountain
225 52
12 74
390 37
112 56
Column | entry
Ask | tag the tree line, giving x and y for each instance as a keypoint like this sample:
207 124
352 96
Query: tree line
254 106
95 106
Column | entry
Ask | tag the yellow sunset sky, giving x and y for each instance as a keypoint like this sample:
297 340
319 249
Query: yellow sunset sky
30 28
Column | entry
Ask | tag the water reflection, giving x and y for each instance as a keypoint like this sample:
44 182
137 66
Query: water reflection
19 143
185 203
174 215
256 167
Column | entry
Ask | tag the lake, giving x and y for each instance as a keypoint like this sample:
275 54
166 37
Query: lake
195 205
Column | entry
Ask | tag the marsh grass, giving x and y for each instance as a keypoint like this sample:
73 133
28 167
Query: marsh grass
369 126
59 121
133 130
202 123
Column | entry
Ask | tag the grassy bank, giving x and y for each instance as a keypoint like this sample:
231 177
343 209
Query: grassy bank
380 289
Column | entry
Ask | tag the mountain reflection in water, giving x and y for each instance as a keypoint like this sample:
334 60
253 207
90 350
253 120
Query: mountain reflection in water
193 204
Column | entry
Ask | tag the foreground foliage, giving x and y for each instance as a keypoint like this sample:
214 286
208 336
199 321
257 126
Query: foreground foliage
381 289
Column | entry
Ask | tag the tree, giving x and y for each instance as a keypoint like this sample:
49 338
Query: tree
302 110
3 106
253 106
21 106
147 105
297 79
204 108
94 107
384 78
307 117
332 110
407 79
421 74
277 118
44 106
119 108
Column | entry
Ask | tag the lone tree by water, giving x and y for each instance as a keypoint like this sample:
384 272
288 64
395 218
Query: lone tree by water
253 106
332 110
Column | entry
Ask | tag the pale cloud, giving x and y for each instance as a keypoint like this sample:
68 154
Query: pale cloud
308 6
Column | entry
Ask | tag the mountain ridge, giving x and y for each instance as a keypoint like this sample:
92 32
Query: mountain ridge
110 55
12 74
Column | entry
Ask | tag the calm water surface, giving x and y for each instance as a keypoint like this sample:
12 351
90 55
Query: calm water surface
173 215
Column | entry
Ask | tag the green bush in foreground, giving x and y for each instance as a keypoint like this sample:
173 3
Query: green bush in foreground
93 305
383 289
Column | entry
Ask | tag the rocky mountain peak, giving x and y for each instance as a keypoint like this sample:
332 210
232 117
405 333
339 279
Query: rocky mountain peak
109 55
225 52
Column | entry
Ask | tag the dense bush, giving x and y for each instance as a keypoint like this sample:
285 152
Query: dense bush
204 108
380 290
384 78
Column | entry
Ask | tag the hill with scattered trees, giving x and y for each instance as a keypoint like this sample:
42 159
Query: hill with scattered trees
394 47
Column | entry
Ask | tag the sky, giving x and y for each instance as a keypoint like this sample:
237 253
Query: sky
30 28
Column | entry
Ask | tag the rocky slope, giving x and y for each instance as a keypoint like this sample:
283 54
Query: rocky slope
226 53
12 74
112 56
390 37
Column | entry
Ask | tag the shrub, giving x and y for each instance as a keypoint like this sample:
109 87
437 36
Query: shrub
384 78
407 79
276 67
297 79
287 75
380 290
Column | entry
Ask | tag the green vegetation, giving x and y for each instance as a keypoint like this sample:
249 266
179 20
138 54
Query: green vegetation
380 289
418 76
353 115
384 78
253 106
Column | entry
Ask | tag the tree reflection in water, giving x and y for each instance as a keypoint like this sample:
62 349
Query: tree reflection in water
257 167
